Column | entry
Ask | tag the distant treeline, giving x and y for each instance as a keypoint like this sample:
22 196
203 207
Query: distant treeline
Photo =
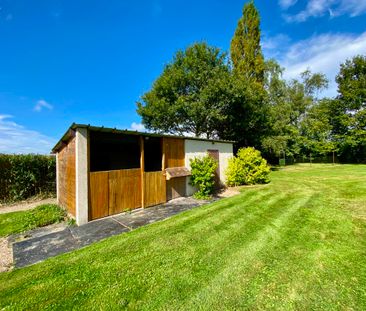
24 176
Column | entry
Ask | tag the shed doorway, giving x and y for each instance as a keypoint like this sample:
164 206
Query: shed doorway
154 186
215 154
115 174
126 172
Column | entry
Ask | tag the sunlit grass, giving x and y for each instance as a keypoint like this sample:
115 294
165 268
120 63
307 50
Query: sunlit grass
297 243
40 216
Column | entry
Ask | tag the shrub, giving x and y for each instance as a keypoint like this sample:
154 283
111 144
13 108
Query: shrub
247 168
203 176
23 176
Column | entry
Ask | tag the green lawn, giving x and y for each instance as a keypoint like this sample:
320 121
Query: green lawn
296 243
40 216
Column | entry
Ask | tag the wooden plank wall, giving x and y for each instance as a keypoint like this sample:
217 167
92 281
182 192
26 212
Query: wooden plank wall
175 188
174 152
155 188
216 156
174 155
124 190
67 177
112 192
99 195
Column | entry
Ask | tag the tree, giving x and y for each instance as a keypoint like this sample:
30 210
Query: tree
246 120
190 94
316 129
289 106
246 114
348 110
245 49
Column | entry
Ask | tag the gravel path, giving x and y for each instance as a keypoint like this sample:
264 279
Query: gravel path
25 205
6 255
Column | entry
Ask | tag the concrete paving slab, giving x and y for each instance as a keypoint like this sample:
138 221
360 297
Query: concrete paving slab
38 232
38 249
97 230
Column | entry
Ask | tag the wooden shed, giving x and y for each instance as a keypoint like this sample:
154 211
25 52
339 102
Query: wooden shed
105 171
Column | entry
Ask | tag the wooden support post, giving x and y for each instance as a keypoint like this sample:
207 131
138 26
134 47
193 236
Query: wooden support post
142 169
88 157
163 153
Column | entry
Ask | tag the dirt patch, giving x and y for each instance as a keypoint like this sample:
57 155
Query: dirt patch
228 192
25 205
6 255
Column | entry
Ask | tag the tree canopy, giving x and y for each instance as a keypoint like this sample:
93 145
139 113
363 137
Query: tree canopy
245 49
246 99
190 94
348 110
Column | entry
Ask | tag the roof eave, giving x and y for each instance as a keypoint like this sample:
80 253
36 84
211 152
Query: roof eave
72 129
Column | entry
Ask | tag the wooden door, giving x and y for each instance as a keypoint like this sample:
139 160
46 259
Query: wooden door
216 156
175 188
173 152
155 188
99 195
124 190
112 192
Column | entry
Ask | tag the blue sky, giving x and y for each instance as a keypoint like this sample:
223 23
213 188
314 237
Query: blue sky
90 61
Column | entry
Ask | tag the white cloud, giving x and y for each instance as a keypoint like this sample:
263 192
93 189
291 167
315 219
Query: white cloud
322 53
42 104
15 138
333 8
274 46
137 127
285 4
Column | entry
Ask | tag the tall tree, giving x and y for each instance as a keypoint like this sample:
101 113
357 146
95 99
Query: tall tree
245 49
292 107
190 94
247 112
348 110
246 116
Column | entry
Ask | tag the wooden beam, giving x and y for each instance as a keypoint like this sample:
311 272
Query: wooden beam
142 170
163 153
88 157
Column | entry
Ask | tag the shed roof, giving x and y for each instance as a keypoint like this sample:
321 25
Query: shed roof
71 132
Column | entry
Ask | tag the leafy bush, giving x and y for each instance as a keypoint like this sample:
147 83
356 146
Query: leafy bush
247 168
23 176
203 176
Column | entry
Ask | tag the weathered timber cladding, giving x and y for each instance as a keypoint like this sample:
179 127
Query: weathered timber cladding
124 190
99 195
174 157
216 156
176 188
174 152
112 192
155 188
67 177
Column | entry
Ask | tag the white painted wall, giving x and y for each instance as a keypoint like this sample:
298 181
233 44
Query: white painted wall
197 148
81 160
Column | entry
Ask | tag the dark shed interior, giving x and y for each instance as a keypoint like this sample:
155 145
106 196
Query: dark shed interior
113 151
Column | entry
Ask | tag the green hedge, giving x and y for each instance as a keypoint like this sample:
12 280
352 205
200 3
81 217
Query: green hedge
23 176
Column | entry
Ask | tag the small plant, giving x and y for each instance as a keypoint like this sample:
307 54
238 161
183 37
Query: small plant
203 176
71 222
247 168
